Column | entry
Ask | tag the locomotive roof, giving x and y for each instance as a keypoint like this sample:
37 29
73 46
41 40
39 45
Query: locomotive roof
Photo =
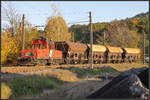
98 48
77 47
115 49
132 50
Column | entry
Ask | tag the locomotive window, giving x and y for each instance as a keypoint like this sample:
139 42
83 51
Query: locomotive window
44 46
38 46
41 46
33 46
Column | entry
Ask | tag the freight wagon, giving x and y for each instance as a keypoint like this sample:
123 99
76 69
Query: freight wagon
44 52
98 53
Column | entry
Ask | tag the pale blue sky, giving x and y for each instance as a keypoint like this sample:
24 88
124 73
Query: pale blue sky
38 12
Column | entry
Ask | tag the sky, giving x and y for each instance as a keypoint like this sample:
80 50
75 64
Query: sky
75 11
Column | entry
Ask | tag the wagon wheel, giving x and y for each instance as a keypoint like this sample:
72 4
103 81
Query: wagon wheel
68 61
100 62
113 61
42 62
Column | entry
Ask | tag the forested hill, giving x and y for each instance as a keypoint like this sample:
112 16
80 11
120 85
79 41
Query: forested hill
141 15
123 33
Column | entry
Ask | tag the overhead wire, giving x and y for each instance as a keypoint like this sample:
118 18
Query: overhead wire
78 22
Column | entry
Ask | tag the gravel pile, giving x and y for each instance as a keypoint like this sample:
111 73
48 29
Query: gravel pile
129 84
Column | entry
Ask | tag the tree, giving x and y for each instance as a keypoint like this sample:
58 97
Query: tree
10 15
118 34
56 27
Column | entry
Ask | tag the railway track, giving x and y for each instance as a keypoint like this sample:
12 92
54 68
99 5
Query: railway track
19 69
23 69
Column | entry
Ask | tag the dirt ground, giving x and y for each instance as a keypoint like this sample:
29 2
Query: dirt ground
76 88
72 90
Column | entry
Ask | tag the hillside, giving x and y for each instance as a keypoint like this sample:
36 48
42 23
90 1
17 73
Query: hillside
123 33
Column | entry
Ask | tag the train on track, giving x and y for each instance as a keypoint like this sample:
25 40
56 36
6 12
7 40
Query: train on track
44 52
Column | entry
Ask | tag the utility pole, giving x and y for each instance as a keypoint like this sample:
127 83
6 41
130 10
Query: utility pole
91 40
72 36
104 38
143 47
57 29
23 35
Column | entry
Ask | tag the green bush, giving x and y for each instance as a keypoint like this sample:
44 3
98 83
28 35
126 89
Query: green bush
22 86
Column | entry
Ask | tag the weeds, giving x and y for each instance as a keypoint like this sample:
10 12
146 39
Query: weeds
82 72
22 86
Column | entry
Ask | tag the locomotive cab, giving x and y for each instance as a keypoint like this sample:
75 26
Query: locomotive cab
42 52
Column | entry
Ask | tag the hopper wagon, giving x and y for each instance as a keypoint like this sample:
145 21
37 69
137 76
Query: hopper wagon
73 52
113 54
131 54
98 53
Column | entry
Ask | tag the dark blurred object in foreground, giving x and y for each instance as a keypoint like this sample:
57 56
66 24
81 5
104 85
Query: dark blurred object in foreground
129 84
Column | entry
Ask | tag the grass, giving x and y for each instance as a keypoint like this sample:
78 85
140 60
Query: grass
5 91
108 69
127 66
83 72
24 86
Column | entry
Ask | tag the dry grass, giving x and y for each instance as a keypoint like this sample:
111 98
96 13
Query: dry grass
126 66
64 75
5 91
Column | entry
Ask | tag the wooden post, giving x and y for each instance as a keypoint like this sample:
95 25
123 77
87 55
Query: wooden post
104 38
143 47
91 40
23 35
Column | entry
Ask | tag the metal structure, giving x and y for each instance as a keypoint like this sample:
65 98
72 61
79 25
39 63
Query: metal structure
91 39
23 35
143 47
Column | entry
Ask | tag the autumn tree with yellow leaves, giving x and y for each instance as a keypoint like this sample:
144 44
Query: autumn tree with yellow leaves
56 27
57 30
11 37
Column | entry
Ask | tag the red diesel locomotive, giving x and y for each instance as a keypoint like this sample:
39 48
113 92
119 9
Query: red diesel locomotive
42 52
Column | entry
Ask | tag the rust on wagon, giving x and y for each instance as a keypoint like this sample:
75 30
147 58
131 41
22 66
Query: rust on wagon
132 50
114 49
98 48
77 47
